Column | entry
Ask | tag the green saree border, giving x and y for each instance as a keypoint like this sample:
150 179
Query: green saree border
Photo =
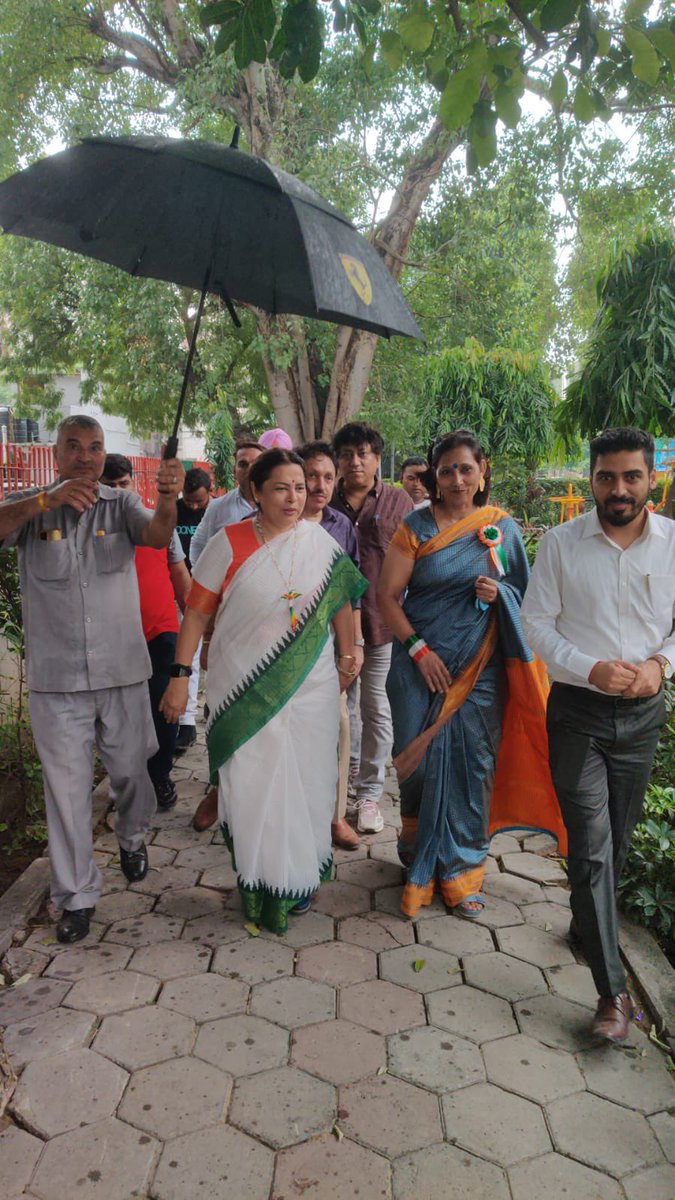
282 669
267 906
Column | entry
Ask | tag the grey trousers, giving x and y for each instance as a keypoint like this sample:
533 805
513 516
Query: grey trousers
601 750
66 726
377 733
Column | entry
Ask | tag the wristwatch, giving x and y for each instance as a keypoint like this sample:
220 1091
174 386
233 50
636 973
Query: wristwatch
664 663
179 671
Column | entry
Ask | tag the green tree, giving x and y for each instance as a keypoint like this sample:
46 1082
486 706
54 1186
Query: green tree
503 395
628 371
363 129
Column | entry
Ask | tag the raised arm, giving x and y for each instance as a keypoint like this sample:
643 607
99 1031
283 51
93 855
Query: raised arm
170 478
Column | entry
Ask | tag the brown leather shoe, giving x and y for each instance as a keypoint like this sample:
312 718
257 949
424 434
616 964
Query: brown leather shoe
207 812
343 836
612 1017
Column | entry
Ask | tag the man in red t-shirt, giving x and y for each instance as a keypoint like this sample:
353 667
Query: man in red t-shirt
163 580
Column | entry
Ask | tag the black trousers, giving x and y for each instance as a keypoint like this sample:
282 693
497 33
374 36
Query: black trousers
601 750
162 650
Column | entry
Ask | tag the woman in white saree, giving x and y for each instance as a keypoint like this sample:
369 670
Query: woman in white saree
275 585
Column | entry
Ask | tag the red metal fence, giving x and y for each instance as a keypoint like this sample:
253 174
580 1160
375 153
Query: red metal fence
27 465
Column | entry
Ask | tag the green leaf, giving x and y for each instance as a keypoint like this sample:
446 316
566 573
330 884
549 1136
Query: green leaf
477 56
507 106
392 49
558 90
458 98
417 31
604 39
418 964
368 59
484 148
636 8
227 35
556 14
255 28
583 105
645 61
216 14
299 40
664 39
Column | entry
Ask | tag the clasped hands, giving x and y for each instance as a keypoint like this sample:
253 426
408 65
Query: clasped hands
630 680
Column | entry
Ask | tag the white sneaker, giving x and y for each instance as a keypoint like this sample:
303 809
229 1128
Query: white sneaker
370 818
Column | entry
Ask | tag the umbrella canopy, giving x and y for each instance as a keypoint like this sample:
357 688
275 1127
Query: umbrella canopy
207 216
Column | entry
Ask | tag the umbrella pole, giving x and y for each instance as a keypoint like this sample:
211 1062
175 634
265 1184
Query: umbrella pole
171 447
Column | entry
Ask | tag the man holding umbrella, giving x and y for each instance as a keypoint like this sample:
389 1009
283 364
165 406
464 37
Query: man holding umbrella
86 659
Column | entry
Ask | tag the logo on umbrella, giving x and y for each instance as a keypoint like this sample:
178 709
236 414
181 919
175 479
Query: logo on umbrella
358 277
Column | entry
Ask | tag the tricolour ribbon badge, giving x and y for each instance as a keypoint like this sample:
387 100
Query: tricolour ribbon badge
492 537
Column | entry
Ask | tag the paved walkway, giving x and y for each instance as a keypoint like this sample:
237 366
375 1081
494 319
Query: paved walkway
173 1055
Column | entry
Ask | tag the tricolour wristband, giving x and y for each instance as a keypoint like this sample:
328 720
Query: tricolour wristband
416 646
410 641
421 653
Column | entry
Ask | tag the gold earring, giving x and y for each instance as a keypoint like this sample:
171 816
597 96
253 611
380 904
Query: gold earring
481 485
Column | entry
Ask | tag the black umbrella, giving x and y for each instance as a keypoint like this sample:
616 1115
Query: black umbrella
208 217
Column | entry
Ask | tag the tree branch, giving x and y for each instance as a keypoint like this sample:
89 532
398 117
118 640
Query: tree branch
531 30
144 57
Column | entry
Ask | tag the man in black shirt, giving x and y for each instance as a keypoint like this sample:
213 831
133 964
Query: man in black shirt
190 509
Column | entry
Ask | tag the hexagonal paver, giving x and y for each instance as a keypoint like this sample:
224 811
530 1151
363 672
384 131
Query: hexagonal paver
420 970
472 1014
657 1183
144 930
113 992
213 1163
176 1097
223 877
637 1077
519 1064
372 935
65 1091
338 1051
503 843
43 940
52 1032
555 1022
552 918
205 997
283 1106
370 874
512 888
19 1152
573 983
557 895
381 1006
433 1059
187 903
337 963
389 1115
253 961
338 899
84 961
109 1161
121 906
307 930
504 976
168 960
163 879
293 1002
496 1124
325 1169
242 1045
383 852
535 867
663 1125
602 1135
27 1000
179 835
400 927
535 946
215 930
145 1036
455 937
559 1178
202 857
446 1173
497 913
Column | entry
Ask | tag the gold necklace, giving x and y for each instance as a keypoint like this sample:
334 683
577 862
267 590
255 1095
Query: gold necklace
290 595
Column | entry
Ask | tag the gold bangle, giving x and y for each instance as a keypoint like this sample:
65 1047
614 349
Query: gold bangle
41 499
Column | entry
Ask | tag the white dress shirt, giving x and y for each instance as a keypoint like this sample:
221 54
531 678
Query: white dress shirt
589 601
222 511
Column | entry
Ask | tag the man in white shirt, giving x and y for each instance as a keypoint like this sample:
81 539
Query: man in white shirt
599 611
233 506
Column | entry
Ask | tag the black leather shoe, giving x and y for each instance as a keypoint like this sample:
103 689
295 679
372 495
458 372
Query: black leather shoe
165 794
73 925
134 863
